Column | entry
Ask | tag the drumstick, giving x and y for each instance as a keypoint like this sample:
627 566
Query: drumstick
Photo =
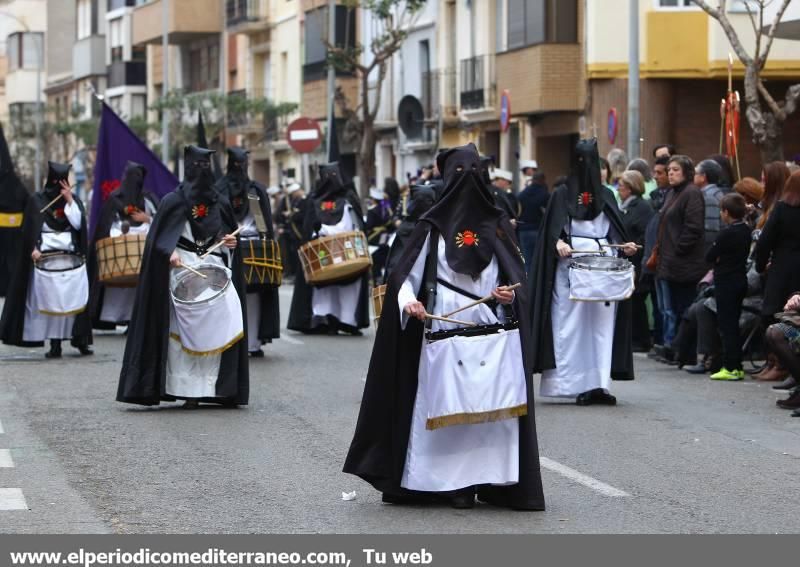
220 243
48 205
638 246
195 272
447 320
484 299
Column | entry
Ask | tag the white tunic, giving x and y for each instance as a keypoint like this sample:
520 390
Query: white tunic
250 231
341 301
458 456
191 376
39 327
583 332
118 301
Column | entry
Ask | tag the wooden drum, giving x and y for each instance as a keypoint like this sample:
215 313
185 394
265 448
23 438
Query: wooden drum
378 293
262 262
119 259
336 258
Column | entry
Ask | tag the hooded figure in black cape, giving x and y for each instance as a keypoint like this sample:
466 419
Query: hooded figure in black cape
53 221
326 208
129 209
13 198
422 198
263 304
144 376
475 247
581 200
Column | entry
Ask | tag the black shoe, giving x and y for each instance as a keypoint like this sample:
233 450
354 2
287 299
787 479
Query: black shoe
584 399
600 396
85 351
257 353
792 402
796 413
463 499
191 404
55 350
405 499
696 369
787 384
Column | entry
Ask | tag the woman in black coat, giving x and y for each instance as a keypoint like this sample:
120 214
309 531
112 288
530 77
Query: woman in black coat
636 215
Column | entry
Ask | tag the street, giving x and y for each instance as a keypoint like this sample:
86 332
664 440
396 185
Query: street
679 454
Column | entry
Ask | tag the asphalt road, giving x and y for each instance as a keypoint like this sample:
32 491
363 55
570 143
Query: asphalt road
679 454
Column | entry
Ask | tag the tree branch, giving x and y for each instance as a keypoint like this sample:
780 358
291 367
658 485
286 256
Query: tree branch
719 15
774 28
792 100
773 106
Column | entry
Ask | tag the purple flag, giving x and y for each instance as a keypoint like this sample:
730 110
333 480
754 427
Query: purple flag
116 145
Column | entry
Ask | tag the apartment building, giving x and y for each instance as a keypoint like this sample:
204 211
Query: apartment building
126 63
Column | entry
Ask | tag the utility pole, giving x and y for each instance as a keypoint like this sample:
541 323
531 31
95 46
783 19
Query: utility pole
634 132
331 72
165 79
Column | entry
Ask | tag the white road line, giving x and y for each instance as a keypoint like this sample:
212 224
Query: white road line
291 340
6 462
12 499
580 478
1 428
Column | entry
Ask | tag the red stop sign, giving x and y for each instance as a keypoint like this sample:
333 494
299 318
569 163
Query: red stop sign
304 135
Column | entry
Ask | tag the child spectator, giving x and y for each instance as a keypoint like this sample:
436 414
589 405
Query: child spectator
728 256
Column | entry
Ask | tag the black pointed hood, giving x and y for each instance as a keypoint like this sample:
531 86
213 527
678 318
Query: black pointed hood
198 189
129 196
330 195
465 215
56 173
422 199
235 184
54 215
585 199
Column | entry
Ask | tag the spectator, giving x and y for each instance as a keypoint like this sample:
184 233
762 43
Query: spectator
642 167
618 161
636 216
391 188
663 150
773 178
533 202
783 340
753 192
681 247
661 178
728 256
605 174
727 179
706 176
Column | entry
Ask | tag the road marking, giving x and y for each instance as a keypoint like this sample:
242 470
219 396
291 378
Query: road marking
1 428
12 499
291 340
580 478
6 462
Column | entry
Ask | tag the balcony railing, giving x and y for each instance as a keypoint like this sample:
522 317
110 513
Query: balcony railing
272 127
478 83
127 73
439 92
240 11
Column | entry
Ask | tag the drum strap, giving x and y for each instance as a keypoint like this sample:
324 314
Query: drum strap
194 247
444 283
431 274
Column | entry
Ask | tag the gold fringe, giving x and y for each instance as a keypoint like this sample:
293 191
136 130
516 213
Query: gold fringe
67 314
220 350
474 418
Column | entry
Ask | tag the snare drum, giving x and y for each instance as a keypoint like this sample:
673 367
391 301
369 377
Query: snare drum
378 294
337 258
60 284
600 278
207 311
119 259
262 262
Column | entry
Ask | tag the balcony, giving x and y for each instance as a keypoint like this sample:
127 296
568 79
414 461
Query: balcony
269 128
89 57
439 93
187 20
478 84
127 73
246 16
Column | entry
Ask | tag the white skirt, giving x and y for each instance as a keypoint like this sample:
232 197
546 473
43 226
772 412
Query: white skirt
61 293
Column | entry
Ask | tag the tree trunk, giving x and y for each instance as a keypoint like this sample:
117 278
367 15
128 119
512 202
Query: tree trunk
771 146
767 129
366 156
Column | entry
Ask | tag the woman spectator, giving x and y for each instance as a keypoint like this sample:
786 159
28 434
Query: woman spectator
681 247
753 192
605 175
636 215
727 179
783 340
773 178
777 253
643 167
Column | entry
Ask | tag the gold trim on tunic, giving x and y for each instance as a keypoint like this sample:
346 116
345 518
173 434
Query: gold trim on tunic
219 350
474 418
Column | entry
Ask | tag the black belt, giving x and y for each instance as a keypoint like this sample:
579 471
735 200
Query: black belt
195 248
477 331
492 303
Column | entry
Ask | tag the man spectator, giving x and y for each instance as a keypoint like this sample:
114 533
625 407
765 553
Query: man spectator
659 194
533 203
528 167
663 150
506 200
706 176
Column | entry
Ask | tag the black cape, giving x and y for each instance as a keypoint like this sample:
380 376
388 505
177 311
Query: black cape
378 451
543 278
301 312
13 199
13 318
269 326
108 214
143 376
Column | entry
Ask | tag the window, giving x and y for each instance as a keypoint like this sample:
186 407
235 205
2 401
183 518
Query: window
87 23
675 4
203 68
115 39
531 22
117 4
138 105
21 115
24 50
316 24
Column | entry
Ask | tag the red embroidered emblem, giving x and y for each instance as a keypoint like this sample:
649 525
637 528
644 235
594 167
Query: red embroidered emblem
130 209
467 238
199 211
585 199
328 205
237 202
108 186
59 213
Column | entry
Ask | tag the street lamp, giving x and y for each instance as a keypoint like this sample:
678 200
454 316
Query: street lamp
37 172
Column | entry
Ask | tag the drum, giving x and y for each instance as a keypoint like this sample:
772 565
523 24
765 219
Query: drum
207 313
60 284
336 258
119 259
262 262
378 293
601 278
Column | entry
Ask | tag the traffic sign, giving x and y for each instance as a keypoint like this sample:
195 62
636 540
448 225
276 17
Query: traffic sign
505 110
304 135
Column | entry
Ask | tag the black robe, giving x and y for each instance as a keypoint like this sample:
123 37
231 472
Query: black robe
378 451
543 277
13 200
143 376
108 214
301 313
13 319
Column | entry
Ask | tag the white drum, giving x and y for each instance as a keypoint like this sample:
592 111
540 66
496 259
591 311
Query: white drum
473 379
207 311
60 284
601 278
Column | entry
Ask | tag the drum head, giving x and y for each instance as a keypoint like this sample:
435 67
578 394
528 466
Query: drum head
191 288
59 262
601 263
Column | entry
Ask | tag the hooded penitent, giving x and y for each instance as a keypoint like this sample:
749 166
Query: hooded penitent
423 198
237 181
465 215
129 197
54 216
584 184
198 190
329 196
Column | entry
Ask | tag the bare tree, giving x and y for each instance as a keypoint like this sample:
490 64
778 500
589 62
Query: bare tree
390 22
765 115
